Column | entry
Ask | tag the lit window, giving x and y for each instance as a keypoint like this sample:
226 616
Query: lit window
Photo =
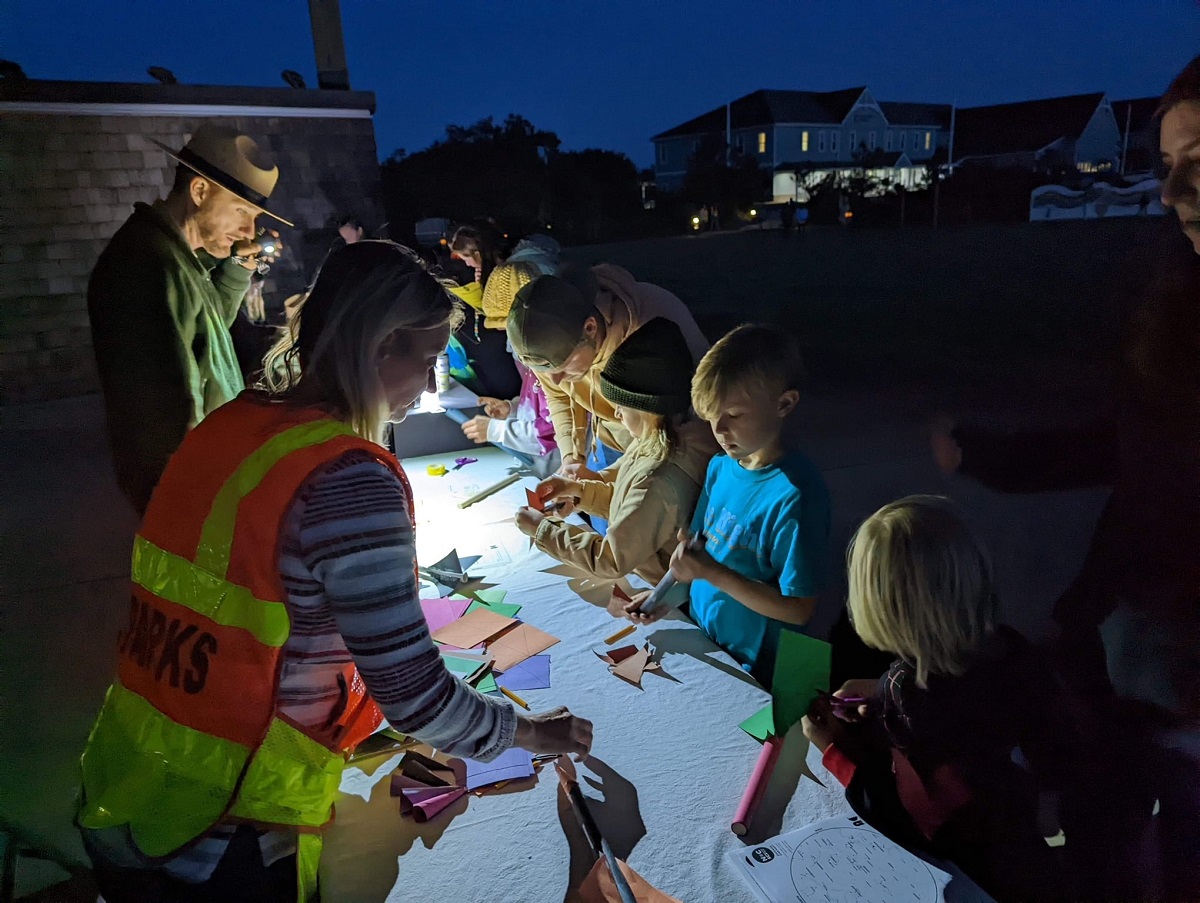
871 141
821 141
804 142
887 140
903 139
928 140
762 142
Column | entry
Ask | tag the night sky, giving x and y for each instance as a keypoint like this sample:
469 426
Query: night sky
611 74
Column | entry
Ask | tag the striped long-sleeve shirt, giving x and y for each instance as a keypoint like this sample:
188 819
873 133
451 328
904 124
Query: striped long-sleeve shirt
347 561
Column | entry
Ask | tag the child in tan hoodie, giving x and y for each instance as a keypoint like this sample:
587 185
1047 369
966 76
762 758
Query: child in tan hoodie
650 493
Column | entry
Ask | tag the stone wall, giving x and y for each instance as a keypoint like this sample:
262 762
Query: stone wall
69 180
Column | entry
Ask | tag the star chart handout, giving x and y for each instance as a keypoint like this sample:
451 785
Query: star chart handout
837 860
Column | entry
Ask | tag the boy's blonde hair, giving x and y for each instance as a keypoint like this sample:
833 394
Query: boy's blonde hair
753 356
921 585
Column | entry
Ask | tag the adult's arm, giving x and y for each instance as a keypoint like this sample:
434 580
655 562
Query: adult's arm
357 540
1080 457
570 421
232 281
142 330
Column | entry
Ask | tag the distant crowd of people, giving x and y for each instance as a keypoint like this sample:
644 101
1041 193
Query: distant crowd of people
275 619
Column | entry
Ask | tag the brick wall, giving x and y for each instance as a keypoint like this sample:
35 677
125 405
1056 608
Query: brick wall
67 183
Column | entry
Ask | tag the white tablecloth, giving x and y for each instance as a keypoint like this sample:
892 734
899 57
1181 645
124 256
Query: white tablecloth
672 760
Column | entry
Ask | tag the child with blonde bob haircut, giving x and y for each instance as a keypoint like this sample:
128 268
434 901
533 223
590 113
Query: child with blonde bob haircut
953 749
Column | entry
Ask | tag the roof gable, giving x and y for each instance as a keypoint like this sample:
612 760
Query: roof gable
1023 127
768 107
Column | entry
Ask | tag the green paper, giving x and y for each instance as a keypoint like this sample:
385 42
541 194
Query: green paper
761 724
491 596
801 669
461 667
507 609
488 684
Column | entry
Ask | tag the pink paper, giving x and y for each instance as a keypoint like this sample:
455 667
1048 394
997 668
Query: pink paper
426 809
440 612
757 786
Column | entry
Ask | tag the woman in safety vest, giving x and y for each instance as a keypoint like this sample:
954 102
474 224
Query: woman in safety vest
274 617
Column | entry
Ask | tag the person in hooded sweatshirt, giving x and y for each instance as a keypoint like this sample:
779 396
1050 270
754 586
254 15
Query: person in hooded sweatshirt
566 327
651 492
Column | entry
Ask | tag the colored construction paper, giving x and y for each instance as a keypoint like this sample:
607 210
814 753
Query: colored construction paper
629 662
599 887
801 669
531 674
487 683
617 602
512 765
425 809
428 771
491 595
440 612
761 724
514 646
449 572
474 628
464 667
533 500
504 609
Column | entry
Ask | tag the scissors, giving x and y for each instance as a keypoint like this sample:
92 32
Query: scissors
843 705
460 463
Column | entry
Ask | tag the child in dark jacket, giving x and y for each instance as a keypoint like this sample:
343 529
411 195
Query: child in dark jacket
955 749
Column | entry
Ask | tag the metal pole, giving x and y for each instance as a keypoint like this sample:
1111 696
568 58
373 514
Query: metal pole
1125 146
728 133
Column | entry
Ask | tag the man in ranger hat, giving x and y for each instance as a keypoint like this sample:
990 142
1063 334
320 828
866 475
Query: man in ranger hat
164 293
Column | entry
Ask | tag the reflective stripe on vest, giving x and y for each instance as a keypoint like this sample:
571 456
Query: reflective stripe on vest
188 733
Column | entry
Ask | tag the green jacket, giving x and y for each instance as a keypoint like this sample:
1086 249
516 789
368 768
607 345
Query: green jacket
160 315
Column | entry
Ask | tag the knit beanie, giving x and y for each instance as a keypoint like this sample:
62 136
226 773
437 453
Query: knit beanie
502 287
651 370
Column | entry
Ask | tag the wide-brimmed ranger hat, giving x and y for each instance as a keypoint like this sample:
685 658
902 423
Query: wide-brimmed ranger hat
232 160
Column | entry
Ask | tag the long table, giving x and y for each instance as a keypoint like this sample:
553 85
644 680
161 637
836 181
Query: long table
669 762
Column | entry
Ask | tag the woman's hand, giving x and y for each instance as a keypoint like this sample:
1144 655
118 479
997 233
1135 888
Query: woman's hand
577 470
638 617
946 450
556 731
476 429
528 520
496 408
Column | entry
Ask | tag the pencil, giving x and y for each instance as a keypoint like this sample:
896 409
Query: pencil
514 697
620 634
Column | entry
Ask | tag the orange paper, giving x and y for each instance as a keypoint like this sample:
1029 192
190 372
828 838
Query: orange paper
514 646
599 887
629 663
474 628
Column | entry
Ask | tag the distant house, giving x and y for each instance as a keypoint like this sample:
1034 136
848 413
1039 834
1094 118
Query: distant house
1077 132
794 134
1139 132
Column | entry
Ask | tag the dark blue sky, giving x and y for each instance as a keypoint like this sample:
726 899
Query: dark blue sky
611 74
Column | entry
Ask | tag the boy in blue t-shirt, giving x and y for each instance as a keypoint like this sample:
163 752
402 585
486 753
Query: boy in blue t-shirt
764 511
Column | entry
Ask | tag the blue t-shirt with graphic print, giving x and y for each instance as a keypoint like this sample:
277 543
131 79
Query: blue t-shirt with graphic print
770 525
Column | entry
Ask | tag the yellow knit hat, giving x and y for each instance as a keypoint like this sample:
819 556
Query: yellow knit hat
502 287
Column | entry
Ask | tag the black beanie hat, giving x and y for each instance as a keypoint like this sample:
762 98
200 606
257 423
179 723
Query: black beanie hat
651 371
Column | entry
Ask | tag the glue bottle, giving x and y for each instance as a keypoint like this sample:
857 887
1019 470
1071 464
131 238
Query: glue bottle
441 373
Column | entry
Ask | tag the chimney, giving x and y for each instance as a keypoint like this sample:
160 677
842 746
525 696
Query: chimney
326 16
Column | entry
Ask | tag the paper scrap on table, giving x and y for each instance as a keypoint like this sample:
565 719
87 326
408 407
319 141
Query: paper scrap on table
491 595
801 669
487 684
514 646
428 771
449 572
839 858
629 662
442 611
617 602
599 887
514 764
531 674
474 628
504 609
464 665
423 803
761 724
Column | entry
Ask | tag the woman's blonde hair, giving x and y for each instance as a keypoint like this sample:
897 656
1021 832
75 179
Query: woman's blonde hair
363 294
921 585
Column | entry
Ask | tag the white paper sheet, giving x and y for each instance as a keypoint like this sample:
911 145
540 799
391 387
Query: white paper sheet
837 860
